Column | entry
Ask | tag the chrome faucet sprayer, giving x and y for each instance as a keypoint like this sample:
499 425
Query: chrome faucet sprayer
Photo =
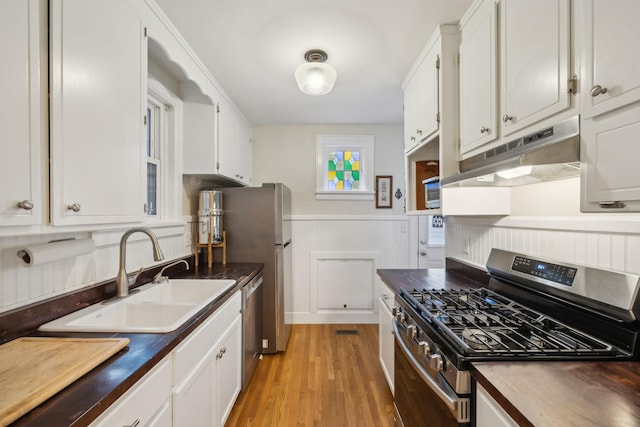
123 280
159 278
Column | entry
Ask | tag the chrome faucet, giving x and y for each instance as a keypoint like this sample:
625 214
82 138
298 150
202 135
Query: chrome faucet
123 280
159 278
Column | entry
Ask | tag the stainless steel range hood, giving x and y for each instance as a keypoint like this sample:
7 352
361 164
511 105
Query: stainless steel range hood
549 154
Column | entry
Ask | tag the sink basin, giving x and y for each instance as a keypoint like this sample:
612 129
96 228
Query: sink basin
151 308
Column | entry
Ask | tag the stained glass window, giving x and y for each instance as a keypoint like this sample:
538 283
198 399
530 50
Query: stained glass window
344 167
343 170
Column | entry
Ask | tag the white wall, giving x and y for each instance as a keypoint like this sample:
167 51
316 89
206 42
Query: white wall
21 285
328 229
546 221
288 154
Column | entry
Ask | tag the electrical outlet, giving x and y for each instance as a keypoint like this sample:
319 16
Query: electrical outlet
465 245
403 227
265 343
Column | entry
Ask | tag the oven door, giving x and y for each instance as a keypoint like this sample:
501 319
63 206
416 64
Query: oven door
422 398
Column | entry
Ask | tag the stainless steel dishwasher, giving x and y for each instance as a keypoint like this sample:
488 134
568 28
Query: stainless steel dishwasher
251 327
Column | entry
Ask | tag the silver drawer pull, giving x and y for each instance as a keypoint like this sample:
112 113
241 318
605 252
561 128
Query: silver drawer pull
74 207
597 90
27 205
612 205
484 129
507 118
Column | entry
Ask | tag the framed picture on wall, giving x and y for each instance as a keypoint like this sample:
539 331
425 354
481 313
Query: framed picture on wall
384 186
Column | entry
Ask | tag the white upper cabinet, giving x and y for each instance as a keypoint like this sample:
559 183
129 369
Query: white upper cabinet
98 59
610 177
410 96
611 54
234 145
23 112
534 67
478 76
200 127
421 99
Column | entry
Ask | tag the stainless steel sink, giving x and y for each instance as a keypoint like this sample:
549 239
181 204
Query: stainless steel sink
153 308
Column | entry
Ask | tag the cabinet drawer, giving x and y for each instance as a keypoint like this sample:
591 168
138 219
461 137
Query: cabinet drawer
190 351
143 401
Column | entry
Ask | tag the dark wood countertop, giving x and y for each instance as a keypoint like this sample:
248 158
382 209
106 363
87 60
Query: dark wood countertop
455 276
84 400
565 393
541 393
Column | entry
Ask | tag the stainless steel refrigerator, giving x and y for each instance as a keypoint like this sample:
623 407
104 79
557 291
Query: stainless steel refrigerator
258 230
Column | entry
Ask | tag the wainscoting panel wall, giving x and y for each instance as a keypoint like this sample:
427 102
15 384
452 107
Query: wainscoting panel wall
21 285
335 259
611 243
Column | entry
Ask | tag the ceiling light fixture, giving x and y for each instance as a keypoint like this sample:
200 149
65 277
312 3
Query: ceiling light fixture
315 77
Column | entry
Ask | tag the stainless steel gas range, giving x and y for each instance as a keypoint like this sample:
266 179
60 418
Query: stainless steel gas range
533 309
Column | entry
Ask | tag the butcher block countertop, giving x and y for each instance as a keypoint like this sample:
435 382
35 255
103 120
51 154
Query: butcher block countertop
541 394
85 399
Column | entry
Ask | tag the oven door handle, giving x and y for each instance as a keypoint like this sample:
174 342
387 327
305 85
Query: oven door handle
458 407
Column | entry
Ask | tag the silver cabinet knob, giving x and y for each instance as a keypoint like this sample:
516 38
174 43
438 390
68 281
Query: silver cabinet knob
597 90
74 207
423 253
423 242
419 131
413 138
484 129
27 205
506 118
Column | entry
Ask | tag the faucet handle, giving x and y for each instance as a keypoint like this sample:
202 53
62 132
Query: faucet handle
132 277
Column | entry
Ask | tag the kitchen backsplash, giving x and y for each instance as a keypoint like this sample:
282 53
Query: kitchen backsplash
21 285
612 244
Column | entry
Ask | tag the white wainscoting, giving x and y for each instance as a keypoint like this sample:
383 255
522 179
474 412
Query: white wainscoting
331 254
21 285
602 241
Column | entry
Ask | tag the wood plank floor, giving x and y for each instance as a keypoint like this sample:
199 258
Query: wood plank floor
323 379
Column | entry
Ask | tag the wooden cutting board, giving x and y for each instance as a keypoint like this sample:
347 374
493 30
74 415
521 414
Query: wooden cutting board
34 369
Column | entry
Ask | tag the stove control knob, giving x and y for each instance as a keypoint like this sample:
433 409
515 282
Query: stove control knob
435 362
425 350
401 318
395 310
412 331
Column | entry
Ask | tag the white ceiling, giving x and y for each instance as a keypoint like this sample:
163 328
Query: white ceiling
252 47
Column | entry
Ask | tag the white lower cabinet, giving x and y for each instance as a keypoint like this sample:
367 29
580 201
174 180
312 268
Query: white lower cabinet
147 403
195 385
207 369
386 341
489 413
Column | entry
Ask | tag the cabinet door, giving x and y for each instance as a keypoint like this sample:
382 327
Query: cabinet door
610 177
233 136
489 413
612 57
23 112
228 370
426 116
410 106
144 403
98 102
193 398
534 61
386 342
478 77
